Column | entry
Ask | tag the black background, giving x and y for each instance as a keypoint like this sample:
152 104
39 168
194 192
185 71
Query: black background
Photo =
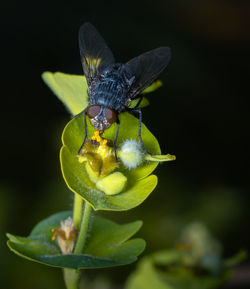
201 114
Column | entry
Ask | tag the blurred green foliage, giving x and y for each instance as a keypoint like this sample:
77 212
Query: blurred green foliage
194 263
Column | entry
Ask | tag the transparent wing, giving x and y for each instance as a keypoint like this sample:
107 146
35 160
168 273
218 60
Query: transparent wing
95 54
146 67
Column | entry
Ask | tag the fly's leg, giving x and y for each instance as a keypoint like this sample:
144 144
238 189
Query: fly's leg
116 136
86 130
83 111
139 131
139 102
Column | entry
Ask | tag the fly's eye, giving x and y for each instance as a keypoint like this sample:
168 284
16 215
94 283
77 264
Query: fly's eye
93 110
110 115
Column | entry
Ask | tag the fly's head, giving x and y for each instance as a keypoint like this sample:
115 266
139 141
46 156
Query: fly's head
101 117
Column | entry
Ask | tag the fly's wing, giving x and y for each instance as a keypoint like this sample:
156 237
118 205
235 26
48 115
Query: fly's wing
145 69
95 54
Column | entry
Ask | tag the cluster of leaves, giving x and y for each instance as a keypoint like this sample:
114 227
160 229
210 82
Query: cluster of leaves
107 244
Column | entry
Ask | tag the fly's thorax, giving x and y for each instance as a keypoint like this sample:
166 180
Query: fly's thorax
110 93
101 117
111 89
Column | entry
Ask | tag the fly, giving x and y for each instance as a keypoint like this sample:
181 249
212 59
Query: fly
112 86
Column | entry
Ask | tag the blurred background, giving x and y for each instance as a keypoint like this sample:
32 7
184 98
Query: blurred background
201 115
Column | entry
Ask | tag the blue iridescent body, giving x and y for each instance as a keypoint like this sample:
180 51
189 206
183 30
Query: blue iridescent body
111 89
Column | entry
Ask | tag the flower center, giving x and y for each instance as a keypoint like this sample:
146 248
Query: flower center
99 155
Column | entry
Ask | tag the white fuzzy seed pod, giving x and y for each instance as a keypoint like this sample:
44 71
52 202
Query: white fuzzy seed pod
131 153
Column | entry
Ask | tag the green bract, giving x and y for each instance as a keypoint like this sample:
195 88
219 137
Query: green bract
139 183
107 245
70 89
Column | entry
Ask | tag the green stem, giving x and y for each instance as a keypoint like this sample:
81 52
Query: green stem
83 230
77 212
72 276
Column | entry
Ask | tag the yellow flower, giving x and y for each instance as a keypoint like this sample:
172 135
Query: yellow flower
99 154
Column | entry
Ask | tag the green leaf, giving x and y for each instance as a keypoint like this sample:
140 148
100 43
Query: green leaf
107 245
139 184
70 89
110 239
155 85
142 104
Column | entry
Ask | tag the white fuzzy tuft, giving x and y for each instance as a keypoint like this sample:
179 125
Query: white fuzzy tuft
131 153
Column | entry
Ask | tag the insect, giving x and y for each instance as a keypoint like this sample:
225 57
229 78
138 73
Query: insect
112 86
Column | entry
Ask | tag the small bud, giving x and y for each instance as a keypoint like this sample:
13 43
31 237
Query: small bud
66 236
131 154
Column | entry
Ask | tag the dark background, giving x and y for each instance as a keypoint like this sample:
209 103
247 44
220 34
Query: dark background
201 115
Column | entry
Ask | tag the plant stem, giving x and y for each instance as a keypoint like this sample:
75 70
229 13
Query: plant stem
83 229
77 212
72 276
